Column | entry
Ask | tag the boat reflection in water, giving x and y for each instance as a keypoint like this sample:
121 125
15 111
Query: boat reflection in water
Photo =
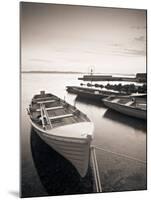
137 124
90 102
57 174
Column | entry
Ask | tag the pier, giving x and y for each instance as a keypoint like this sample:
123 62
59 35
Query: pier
139 77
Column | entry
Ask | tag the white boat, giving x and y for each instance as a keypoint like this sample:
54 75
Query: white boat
62 126
132 106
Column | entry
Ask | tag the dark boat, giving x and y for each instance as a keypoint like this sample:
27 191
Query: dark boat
91 93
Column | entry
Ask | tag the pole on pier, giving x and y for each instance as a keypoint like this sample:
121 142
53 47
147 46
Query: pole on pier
91 75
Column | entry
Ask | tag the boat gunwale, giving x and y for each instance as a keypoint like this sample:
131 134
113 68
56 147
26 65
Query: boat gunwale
88 137
123 105
64 103
91 93
104 92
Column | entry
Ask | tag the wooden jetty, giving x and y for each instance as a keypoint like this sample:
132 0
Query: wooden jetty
139 77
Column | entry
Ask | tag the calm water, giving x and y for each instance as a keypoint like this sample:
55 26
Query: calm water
41 167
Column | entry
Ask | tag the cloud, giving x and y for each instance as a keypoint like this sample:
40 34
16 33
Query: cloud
138 27
40 60
129 52
135 52
140 39
129 49
116 45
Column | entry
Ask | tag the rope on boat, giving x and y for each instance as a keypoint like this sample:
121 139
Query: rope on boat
96 170
122 155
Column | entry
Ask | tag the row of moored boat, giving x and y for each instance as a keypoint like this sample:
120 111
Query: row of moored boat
69 131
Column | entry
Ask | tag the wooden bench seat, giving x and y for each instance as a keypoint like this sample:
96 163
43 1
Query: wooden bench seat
61 116
43 102
52 108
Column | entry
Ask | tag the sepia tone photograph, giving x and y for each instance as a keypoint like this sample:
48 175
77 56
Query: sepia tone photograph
83 99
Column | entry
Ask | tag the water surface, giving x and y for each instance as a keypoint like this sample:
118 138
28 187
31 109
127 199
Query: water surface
45 173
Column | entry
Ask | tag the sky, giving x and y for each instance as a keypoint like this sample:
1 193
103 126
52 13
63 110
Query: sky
77 38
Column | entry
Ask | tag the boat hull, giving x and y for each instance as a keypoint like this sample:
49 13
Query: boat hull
77 152
63 127
87 95
138 113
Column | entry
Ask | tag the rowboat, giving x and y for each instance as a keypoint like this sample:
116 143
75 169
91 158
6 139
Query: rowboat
76 89
63 127
92 94
132 106
72 89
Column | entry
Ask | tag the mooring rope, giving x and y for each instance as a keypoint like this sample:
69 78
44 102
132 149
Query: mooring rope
119 154
96 171
95 164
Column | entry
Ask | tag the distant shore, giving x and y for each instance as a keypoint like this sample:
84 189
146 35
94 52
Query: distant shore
51 72
72 72
138 77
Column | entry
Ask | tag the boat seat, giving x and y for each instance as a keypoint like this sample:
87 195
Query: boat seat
141 106
52 108
129 103
48 101
115 100
43 99
61 116
77 112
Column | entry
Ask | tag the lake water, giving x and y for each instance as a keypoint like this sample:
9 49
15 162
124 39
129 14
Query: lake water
43 172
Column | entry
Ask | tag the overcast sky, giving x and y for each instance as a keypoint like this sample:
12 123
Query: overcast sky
73 38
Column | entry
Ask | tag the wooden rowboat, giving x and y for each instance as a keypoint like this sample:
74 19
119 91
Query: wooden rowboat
95 95
91 93
62 126
132 106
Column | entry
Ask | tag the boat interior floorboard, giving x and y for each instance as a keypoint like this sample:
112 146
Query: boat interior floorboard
56 110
